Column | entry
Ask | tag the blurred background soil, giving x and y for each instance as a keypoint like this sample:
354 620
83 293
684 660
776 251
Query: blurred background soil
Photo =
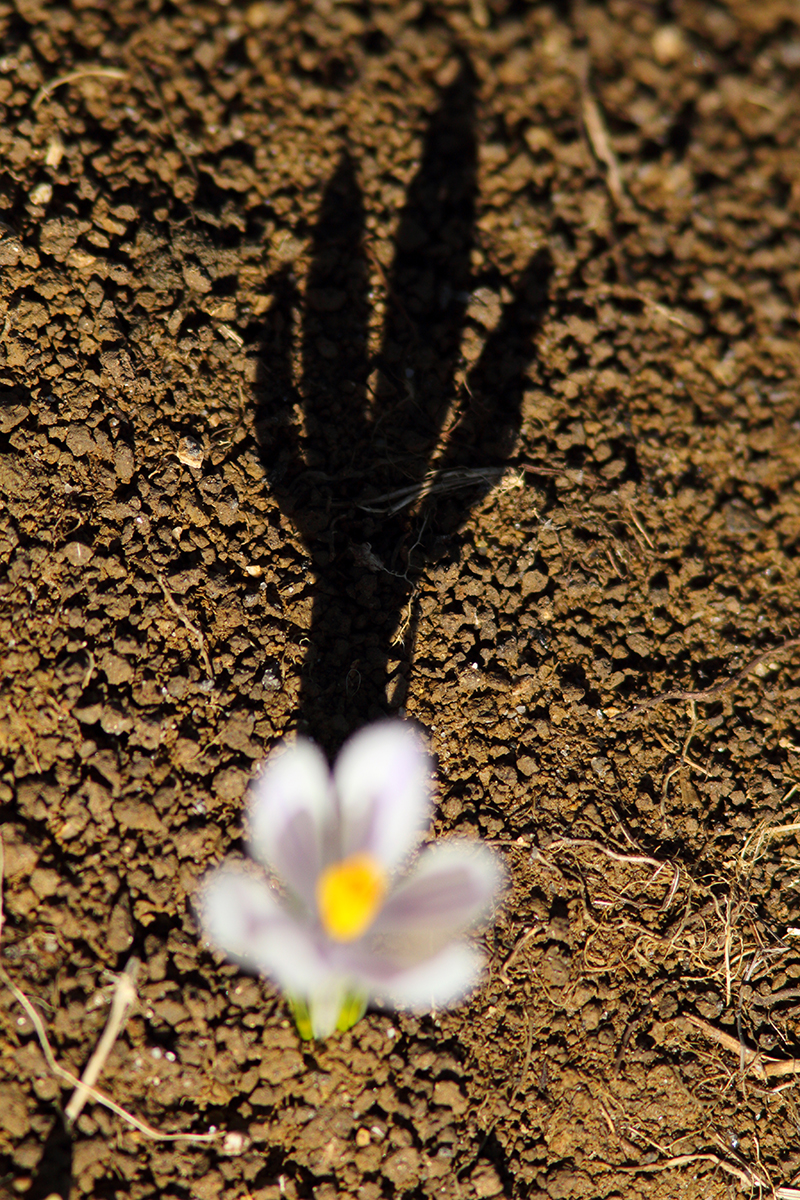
427 357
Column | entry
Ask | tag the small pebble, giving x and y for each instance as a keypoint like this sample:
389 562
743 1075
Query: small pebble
78 553
668 44
190 453
235 1142
270 682
42 194
55 151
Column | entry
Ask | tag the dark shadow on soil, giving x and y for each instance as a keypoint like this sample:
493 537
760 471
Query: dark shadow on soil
53 1176
354 432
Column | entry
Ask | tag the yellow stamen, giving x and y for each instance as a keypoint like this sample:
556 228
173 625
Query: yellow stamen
349 894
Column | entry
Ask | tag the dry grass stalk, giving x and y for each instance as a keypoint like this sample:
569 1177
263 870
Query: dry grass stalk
597 134
761 837
515 953
124 998
73 77
435 483
99 1097
747 1177
628 929
751 1061
84 1088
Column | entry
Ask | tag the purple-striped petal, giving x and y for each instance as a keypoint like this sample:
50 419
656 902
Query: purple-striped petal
382 780
242 917
453 884
438 981
292 811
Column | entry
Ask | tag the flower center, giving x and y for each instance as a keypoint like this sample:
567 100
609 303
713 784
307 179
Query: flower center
349 894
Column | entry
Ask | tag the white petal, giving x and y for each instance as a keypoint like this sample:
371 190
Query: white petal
453 884
291 814
242 917
382 779
437 982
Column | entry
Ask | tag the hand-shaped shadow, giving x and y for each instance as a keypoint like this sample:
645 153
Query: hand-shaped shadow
355 429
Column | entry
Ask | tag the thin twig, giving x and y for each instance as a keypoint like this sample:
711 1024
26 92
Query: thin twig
673 889
639 526
558 843
750 1060
167 117
627 1033
515 953
765 832
717 689
669 314
623 291
727 954
125 996
405 622
83 73
773 998
195 630
523 1075
598 135
776 1068
747 1177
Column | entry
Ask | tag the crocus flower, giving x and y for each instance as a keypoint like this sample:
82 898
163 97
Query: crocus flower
335 921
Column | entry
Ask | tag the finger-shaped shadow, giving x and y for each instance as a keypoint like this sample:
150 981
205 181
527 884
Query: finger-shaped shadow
429 286
334 338
487 416
489 422
316 462
310 461
331 442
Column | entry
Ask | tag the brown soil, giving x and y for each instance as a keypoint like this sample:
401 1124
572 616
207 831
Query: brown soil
262 268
